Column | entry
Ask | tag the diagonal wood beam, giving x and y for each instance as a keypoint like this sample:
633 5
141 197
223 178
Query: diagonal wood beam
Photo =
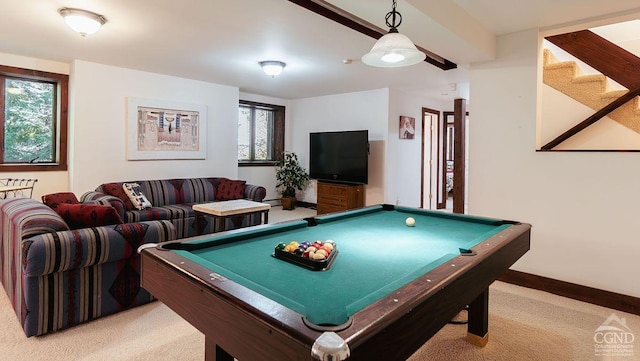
601 54
592 119
351 21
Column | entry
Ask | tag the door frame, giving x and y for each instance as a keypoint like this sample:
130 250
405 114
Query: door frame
429 134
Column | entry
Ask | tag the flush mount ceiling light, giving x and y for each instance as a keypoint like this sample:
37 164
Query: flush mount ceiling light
393 49
272 67
82 21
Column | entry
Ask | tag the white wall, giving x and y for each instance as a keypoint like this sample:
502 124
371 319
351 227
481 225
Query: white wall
606 133
351 111
582 205
404 163
98 128
48 182
264 175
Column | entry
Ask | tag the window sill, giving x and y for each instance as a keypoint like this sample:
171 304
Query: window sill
261 163
40 167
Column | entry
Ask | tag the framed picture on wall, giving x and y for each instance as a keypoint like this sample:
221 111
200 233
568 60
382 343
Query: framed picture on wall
407 127
160 129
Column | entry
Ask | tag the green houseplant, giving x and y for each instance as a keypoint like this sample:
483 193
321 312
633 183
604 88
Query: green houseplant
290 177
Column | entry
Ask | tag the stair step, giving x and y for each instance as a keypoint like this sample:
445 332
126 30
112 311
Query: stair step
591 90
561 65
548 57
634 103
593 78
614 94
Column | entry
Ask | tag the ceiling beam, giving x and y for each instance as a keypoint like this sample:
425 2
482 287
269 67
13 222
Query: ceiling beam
351 21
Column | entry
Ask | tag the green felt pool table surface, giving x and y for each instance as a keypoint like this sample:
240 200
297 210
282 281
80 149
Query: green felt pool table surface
388 290
378 253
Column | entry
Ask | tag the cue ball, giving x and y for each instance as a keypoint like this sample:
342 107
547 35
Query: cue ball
410 222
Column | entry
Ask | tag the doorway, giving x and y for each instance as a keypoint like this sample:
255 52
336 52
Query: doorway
430 148
445 200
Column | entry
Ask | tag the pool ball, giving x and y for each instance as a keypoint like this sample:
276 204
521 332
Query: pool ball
410 222
317 255
327 249
281 246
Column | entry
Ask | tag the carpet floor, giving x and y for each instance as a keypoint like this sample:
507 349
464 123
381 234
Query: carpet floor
524 324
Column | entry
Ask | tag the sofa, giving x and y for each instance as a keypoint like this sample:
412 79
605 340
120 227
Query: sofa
172 200
58 277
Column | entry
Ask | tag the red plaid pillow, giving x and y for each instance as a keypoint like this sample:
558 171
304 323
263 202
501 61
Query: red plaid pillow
88 215
116 190
230 189
55 199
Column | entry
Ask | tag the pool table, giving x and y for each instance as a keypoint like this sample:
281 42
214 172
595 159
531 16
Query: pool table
389 288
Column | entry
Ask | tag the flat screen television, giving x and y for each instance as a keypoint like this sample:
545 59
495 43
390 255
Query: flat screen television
339 156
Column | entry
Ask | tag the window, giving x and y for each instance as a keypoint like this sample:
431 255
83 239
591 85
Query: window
33 119
260 133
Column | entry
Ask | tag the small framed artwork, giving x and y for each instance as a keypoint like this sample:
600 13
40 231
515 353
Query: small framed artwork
407 127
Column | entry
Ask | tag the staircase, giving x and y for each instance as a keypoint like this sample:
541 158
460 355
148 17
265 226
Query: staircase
590 90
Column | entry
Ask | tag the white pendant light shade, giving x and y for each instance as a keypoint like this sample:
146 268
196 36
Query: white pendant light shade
272 68
393 50
82 21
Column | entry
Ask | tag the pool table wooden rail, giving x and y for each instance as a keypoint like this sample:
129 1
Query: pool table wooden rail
240 322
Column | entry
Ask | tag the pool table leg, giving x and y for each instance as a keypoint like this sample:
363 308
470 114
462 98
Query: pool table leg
478 327
213 352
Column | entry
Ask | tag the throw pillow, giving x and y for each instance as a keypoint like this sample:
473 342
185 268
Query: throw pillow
88 215
55 199
116 190
230 189
134 191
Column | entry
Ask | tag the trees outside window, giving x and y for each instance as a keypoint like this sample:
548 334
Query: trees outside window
33 117
260 133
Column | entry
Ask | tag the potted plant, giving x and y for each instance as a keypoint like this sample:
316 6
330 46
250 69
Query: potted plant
290 177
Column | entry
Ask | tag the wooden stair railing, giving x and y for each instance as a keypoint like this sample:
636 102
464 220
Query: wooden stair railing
606 57
592 119
609 59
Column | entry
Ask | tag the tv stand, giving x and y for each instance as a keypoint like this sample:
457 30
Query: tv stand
336 197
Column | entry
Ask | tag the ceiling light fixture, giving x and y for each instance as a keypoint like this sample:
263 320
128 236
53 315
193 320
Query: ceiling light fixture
82 21
272 67
393 49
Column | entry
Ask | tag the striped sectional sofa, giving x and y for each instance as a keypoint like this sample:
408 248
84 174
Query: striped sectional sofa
56 277
171 199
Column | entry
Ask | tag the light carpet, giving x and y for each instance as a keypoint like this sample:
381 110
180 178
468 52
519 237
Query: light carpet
524 324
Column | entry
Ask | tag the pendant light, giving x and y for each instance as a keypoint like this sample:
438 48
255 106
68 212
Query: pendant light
393 49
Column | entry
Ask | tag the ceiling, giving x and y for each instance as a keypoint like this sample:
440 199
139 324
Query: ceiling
223 41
